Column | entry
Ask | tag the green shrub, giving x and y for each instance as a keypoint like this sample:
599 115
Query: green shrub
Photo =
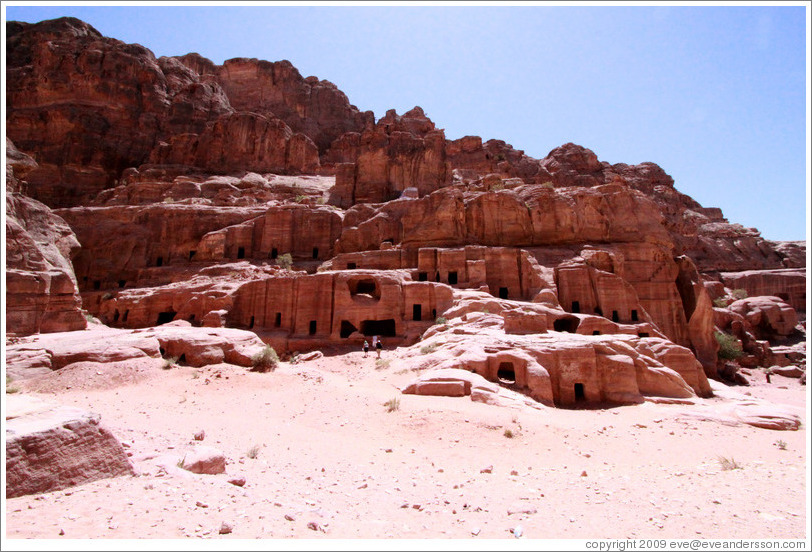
729 346
285 261
721 302
547 185
265 361
738 294
382 363
440 320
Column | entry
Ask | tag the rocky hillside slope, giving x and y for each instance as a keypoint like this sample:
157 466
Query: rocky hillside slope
144 190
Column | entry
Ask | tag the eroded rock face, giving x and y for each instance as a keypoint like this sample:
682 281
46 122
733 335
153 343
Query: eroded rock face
378 164
241 141
51 447
41 291
84 106
313 107
769 316
560 368
789 285
188 184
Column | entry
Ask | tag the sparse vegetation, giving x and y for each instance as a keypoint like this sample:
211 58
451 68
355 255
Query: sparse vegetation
428 349
265 361
301 198
509 433
440 320
721 302
170 363
382 363
728 464
781 444
392 404
321 201
547 185
180 462
11 388
737 294
285 261
253 452
169 200
729 346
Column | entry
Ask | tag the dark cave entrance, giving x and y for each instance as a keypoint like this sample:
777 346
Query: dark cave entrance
506 373
164 317
347 329
383 328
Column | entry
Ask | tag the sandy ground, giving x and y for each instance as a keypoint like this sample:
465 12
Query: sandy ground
331 455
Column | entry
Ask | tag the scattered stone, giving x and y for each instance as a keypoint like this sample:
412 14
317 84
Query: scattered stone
204 460
200 504
237 480
225 528
583 473
200 435
489 469
315 526
290 517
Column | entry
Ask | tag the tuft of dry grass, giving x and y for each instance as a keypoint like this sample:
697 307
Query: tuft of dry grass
392 404
728 464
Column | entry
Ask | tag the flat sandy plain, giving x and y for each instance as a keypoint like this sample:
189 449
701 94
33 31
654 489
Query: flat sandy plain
324 458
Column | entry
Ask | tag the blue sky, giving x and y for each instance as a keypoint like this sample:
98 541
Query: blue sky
715 95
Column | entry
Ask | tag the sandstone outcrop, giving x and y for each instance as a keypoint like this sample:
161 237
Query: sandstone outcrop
379 163
241 141
243 197
769 316
95 344
787 284
560 367
40 286
84 106
313 107
51 447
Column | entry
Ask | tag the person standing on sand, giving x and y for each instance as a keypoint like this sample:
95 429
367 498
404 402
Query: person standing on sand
377 344
366 348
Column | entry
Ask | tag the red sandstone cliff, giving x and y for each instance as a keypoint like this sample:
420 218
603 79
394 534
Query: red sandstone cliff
169 171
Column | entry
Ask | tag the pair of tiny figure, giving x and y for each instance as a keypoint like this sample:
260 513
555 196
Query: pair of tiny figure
375 343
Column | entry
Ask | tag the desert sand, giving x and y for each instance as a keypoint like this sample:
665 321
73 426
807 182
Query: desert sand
323 457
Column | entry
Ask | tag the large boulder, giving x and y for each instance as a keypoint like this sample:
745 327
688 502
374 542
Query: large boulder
51 447
203 346
768 316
